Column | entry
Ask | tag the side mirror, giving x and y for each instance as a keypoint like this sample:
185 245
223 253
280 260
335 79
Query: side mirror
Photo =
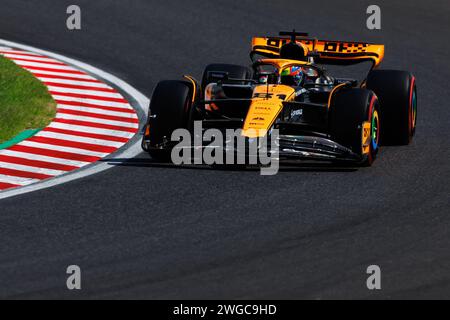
268 78
272 78
217 76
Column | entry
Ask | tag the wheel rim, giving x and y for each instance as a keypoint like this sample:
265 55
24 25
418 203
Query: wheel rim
413 110
375 135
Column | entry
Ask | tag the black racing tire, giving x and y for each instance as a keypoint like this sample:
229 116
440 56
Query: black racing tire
234 71
349 110
397 93
170 109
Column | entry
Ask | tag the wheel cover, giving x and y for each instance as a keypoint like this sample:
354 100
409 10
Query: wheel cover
413 110
375 125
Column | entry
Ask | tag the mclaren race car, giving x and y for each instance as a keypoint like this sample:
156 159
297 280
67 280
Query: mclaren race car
318 115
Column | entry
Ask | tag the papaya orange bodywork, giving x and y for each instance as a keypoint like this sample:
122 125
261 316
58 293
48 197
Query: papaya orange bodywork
328 50
265 107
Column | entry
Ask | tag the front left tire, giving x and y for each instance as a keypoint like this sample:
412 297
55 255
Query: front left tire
354 122
397 93
233 71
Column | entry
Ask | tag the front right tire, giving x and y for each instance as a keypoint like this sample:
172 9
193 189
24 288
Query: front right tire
170 109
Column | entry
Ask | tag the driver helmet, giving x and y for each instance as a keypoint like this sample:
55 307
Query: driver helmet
295 73
263 78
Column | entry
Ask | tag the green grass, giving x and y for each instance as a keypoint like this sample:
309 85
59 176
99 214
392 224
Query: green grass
24 101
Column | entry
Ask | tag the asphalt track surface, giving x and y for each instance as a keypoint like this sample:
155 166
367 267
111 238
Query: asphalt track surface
140 230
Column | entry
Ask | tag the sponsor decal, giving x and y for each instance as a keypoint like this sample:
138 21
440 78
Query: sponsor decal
228 147
366 135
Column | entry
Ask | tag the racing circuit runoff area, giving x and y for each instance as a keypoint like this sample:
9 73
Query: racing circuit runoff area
148 230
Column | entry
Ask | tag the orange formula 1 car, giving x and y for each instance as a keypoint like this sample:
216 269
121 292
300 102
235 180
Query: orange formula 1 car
319 116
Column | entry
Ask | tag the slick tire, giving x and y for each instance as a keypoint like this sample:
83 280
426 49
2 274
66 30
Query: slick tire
170 109
352 111
234 71
397 93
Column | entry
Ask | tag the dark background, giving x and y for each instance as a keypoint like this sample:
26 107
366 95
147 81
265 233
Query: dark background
142 231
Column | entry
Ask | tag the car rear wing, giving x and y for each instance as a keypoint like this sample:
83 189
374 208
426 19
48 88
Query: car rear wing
323 51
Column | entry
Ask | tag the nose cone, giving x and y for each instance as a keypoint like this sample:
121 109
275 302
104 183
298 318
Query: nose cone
260 117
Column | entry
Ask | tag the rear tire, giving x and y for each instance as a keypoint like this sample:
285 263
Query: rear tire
170 109
234 71
397 93
350 109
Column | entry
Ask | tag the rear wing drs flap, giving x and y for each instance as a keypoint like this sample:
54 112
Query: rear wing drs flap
323 51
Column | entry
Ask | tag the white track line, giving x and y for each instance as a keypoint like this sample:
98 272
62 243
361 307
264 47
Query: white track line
97 120
107 132
61 136
47 146
39 157
21 56
16 180
21 167
91 101
63 74
84 91
44 65
97 111
76 83
23 52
